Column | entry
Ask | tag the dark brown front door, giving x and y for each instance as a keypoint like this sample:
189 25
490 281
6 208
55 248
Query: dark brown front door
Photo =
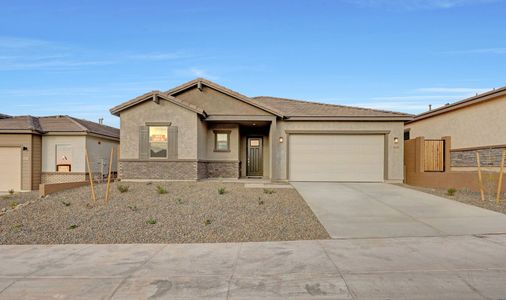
255 162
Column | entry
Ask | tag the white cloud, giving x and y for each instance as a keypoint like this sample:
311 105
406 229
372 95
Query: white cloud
497 51
418 4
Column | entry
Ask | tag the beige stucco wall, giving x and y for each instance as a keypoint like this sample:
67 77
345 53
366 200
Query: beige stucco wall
21 140
216 103
394 162
98 149
78 144
149 111
201 139
474 126
234 142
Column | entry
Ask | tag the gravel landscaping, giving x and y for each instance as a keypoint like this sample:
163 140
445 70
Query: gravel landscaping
467 197
9 201
189 212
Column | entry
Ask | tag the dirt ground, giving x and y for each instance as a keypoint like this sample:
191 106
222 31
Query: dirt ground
189 212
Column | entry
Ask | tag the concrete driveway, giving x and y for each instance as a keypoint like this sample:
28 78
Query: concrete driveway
456 267
365 210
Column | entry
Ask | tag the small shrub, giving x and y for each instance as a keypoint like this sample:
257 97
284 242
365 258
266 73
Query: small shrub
66 203
73 226
133 208
161 190
151 221
179 201
451 191
221 190
149 183
260 201
122 188
13 204
269 191
11 192
16 227
207 222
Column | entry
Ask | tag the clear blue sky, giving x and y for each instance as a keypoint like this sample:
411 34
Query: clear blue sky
83 57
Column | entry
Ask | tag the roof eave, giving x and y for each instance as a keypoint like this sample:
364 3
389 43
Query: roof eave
350 118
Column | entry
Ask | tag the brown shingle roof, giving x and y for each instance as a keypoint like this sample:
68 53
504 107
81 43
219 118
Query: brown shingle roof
300 108
56 124
282 107
479 98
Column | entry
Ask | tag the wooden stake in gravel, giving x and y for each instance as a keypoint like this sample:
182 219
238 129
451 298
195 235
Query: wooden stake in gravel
480 179
109 176
90 175
499 183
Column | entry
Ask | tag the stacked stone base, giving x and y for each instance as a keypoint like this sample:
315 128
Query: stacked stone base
178 169
62 177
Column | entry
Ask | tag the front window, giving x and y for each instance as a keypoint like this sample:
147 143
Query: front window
222 141
158 137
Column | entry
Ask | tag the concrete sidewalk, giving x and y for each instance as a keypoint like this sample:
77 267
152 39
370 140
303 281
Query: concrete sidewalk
366 210
459 267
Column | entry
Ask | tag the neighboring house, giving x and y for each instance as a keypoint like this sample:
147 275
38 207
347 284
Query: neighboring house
203 130
476 123
2 116
441 144
36 150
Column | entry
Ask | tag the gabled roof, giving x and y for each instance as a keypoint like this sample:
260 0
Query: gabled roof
281 107
155 96
3 116
307 109
224 90
479 98
55 124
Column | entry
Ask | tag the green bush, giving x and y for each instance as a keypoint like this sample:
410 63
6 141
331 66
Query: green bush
151 221
221 190
207 222
451 191
161 190
269 191
13 204
133 208
122 188
73 226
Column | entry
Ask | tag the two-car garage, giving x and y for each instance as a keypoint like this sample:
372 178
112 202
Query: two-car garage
336 157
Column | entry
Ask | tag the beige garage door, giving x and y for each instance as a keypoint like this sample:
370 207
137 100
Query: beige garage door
10 168
336 157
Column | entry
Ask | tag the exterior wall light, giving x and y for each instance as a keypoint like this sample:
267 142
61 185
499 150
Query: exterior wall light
396 140
280 139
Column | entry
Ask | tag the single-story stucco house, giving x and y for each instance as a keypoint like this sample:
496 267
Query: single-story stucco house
474 124
203 130
36 150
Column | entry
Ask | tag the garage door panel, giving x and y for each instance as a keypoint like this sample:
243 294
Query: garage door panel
10 168
336 157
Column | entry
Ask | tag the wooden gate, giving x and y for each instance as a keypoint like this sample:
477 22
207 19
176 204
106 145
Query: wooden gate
434 155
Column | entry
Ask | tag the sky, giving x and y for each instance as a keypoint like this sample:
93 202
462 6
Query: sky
83 57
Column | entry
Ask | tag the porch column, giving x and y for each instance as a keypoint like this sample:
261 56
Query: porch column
272 147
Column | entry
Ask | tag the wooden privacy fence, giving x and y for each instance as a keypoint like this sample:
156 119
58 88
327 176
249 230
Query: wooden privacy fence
434 156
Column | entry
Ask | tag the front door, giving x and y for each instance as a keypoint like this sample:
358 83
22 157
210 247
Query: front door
255 162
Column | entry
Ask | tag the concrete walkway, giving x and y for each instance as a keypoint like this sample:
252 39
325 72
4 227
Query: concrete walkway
364 210
459 267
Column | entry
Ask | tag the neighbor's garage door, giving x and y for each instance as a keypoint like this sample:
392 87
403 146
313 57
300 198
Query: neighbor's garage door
329 157
10 168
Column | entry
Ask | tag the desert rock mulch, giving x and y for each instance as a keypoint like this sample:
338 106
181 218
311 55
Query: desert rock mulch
468 197
190 212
